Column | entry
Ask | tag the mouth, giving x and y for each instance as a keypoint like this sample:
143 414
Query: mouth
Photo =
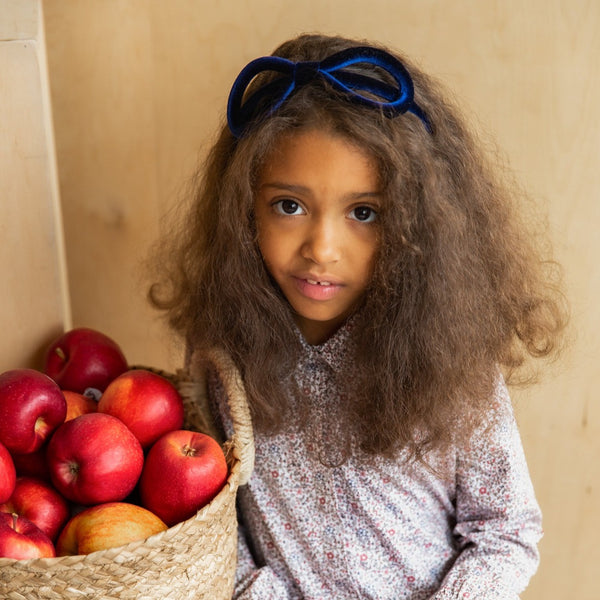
318 289
315 282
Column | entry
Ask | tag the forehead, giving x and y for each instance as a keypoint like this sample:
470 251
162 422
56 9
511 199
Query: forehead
319 156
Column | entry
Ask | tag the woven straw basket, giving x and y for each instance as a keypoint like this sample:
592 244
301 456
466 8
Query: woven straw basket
194 559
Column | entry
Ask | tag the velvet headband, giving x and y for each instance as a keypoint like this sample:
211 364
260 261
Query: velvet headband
394 99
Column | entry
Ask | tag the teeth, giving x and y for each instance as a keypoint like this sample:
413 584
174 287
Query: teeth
313 282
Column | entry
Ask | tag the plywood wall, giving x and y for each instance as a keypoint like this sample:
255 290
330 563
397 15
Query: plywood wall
34 304
137 89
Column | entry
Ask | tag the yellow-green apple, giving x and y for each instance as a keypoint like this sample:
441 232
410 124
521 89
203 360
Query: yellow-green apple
78 404
183 471
84 358
21 539
40 503
31 408
107 526
146 402
94 458
8 474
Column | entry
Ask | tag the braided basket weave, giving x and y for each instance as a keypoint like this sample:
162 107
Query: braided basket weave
195 559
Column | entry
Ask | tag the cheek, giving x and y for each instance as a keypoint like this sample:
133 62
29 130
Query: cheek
367 253
271 247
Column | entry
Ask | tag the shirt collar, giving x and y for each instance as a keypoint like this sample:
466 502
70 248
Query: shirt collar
335 351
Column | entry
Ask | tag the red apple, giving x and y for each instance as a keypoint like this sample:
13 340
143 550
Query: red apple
31 408
107 526
147 403
84 358
33 464
94 458
183 471
21 539
8 474
78 404
39 503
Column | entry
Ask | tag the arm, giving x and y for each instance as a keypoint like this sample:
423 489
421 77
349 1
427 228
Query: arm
498 520
253 583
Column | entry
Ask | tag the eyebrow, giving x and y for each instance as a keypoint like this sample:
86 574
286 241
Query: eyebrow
301 189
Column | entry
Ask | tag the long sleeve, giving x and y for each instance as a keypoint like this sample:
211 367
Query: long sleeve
498 521
252 582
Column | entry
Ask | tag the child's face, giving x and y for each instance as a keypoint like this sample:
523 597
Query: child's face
317 208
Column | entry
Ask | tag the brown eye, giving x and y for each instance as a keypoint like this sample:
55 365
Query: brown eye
288 207
364 214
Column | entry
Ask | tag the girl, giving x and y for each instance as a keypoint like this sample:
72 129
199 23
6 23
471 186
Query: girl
352 251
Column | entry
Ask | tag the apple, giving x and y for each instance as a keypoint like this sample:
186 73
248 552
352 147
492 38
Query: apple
107 526
146 402
39 503
84 358
94 458
78 404
21 539
31 408
183 471
8 474
32 464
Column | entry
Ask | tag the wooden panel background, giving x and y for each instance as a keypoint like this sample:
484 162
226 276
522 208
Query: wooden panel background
138 87
34 303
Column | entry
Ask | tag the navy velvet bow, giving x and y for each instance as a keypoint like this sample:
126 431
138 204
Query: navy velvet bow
395 100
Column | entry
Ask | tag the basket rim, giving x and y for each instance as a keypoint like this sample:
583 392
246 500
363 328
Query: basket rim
243 436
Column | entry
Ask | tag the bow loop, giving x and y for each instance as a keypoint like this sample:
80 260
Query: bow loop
366 89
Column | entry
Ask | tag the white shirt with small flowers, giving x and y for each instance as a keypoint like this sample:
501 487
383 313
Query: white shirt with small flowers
382 529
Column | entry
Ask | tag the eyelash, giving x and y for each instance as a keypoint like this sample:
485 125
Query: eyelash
280 210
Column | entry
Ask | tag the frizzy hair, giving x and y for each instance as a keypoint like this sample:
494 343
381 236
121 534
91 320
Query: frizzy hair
460 290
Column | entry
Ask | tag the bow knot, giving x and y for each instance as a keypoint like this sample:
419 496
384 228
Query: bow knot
305 72
392 99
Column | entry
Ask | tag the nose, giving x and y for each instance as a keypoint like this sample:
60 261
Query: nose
323 242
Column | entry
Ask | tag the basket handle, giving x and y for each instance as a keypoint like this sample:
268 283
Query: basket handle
243 436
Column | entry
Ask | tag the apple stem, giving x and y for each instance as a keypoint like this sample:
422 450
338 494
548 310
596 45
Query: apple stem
60 353
15 516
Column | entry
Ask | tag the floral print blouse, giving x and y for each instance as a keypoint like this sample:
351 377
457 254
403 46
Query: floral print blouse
383 529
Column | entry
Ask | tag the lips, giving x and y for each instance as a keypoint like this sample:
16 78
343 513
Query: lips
317 289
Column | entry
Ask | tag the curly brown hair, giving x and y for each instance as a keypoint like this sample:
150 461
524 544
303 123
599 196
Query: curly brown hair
461 287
